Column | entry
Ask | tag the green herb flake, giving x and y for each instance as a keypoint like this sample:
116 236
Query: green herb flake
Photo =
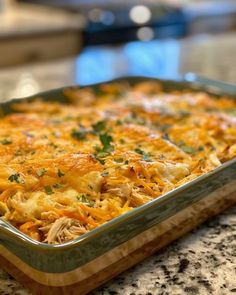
107 148
16 178
119 160
201 148
188 149
122 141
79 134
48 190
118 122
41 172
60 173
84 199
139 151
146 156
99 126
106 141
6 141
53 145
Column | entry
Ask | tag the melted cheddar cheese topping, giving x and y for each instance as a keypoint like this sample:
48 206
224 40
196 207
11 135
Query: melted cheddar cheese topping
68 168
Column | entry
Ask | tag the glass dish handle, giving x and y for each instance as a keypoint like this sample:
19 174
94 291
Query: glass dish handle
210 84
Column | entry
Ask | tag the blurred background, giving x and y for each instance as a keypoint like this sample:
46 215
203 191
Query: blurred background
53 43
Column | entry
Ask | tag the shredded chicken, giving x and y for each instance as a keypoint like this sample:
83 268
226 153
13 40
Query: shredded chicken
122 190
63 229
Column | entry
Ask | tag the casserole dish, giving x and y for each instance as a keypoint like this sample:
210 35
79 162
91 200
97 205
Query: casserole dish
80 265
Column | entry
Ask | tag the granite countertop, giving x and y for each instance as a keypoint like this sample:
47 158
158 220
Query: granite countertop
24 19
202 262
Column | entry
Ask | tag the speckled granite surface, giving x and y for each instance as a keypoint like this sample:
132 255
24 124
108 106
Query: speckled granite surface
202 262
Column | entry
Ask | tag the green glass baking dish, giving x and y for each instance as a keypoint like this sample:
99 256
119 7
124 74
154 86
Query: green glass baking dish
79 266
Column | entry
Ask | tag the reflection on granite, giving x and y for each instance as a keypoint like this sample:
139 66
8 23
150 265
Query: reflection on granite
27 80
203 262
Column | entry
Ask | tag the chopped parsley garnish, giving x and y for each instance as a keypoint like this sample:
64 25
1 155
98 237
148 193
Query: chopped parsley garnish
164 127
119 160
107 147
106 141
60 173
188 149
6 141
146 156
84 199
79 134
52 144
118 122
16 178
122 141
99 126
139 151
48 190
41 172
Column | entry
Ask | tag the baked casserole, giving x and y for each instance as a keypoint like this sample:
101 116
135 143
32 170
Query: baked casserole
69 168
